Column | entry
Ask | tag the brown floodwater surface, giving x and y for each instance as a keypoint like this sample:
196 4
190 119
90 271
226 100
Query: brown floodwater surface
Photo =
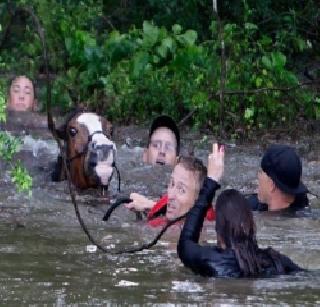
47 259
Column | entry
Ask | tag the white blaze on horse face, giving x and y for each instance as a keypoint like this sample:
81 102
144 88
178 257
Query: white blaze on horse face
93 124
91 121
104 168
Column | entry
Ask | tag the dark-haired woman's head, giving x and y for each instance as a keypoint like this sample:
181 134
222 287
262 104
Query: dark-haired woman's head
234 219
235 229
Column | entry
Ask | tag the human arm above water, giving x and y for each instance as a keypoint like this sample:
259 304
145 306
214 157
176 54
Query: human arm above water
190 252
139 202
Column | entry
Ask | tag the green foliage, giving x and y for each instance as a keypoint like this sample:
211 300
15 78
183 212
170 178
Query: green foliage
253 63
161 73
107 55
9 146
2 107
21 178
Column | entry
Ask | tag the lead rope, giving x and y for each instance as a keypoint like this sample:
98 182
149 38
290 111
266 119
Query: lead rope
132 250
52 129
51 124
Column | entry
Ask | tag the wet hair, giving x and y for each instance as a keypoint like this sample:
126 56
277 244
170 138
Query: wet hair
236 227
194 164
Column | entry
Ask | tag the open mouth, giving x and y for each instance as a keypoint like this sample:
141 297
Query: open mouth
160 162
171 208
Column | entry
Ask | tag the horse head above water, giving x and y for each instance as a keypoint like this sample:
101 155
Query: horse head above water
90 153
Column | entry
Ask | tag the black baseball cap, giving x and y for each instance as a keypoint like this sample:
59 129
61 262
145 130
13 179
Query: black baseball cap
282 164
167 122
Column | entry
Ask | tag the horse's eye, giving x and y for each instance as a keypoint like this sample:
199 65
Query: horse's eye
73 131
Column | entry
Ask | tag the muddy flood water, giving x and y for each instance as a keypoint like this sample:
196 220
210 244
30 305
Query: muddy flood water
47 259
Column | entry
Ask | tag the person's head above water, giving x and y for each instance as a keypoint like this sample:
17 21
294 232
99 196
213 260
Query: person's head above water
163 142
21 95
279 179
236 230
237 253
184 186
234 220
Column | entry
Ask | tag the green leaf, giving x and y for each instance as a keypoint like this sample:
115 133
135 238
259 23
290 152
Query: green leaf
168 43
68 43
230 29
250 26
188 38
249 113
300 44
176 29
200 99
291 78
140 61
150 34
278 59
266 62
191 37
162 51
155 59
265 41
258 82
21 178
2 106
9 145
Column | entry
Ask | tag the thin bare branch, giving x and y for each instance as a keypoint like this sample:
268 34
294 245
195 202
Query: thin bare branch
268 89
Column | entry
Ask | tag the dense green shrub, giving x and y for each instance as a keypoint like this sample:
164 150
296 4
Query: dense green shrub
104 54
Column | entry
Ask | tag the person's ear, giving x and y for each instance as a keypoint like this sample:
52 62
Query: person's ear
272 186
145 155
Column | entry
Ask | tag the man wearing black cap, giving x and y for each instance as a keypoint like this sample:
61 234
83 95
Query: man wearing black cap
279 182
163 142
163 149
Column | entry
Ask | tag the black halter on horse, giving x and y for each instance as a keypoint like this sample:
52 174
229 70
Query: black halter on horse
55 133
85 151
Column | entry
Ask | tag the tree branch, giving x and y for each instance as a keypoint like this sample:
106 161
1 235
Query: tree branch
266 89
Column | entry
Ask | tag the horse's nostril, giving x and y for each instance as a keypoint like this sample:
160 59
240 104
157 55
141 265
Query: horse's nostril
94 145
92 164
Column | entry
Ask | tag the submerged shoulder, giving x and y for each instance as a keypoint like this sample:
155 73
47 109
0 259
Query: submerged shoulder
276 263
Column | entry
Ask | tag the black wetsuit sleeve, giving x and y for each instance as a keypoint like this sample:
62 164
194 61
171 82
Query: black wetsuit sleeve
288 265
254 203
190 252
301 201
